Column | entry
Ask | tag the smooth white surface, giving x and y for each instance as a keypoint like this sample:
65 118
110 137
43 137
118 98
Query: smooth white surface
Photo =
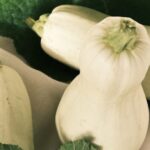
15 110
106 101
44 93
65 30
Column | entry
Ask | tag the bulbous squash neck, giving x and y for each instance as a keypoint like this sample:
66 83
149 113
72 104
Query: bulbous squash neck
122 38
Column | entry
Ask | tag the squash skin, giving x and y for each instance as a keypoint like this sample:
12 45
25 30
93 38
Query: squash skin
64 31
65 45
109 122
49 90
106 101
117 71
15 113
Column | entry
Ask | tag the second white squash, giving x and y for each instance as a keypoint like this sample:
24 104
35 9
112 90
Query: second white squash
105 102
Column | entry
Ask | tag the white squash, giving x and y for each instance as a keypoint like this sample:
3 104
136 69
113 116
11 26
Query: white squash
15 110
106 102
62 33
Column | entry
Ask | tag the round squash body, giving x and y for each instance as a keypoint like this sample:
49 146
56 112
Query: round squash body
111 72
112 123
106 103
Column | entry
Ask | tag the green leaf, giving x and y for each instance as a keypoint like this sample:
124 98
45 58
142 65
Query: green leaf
15 11
79 145
9 147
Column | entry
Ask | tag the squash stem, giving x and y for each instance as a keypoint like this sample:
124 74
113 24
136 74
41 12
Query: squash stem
123 38
37 25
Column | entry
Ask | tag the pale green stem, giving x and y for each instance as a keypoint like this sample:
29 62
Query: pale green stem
123 38
37 25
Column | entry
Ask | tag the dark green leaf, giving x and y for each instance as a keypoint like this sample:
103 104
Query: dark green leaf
79 145
9 147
